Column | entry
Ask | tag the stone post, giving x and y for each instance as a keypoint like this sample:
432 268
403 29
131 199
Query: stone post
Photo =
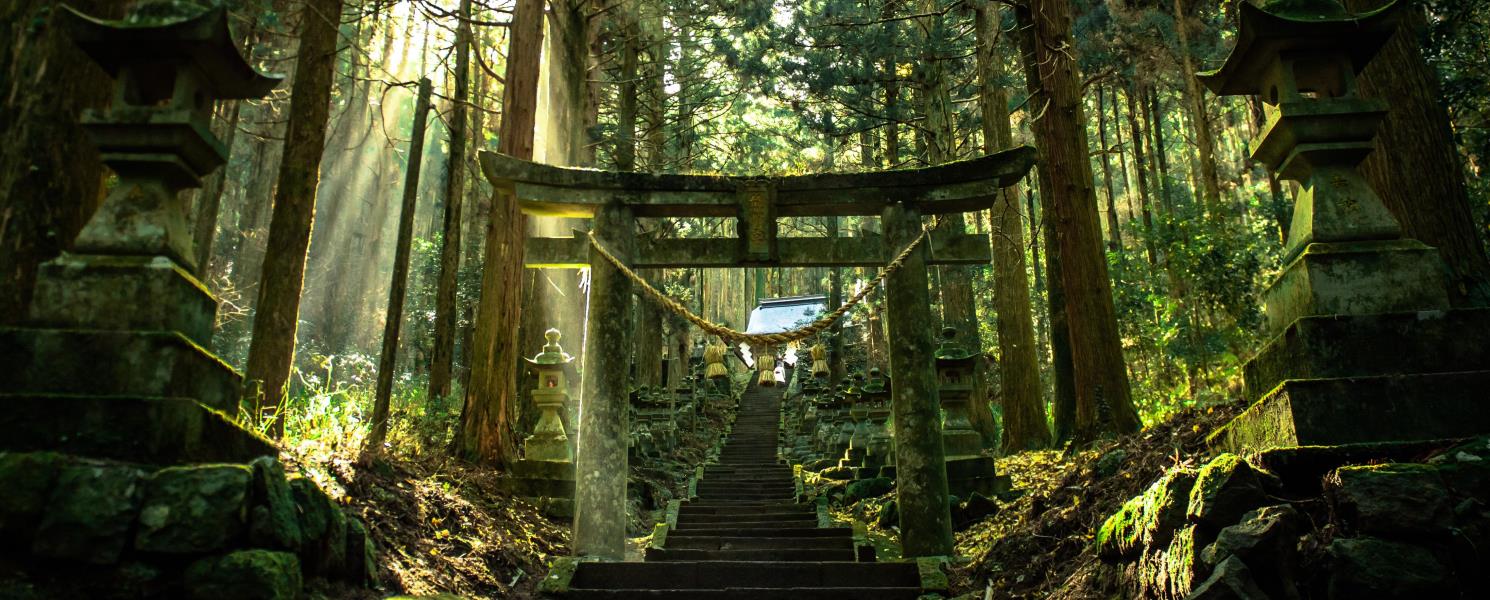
600 493
921 474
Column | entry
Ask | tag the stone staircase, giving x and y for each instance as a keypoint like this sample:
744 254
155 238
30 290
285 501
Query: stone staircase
744 536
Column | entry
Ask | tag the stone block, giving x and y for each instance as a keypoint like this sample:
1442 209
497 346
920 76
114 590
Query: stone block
115 363
141 293
1391 499
1334 346
90 513
362 556
977 474
1356 278
245 575
1147 520
274 520
137 429
27 478
193 509
1231 580
1381 570
868 488
1266 540
1390 408
1302 468
324 526
1225 489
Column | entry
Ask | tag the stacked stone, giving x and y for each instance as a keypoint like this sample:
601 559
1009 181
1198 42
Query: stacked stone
1393 530
545 475
879 450
1359 316
124 474
969 471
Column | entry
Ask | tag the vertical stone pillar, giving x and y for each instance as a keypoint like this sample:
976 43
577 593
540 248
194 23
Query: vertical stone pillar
921 473
600 463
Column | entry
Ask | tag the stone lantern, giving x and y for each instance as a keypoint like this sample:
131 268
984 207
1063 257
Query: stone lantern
1358 319
968 470
119 326
879 451
549 440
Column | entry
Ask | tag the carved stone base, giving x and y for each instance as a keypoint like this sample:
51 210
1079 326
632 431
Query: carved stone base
1356 278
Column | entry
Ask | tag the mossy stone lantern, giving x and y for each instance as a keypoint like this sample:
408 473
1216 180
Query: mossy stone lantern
955 371
1362 344
1301 57
549 441
170 61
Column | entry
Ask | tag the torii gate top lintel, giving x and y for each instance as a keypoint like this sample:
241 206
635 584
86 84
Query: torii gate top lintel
960 186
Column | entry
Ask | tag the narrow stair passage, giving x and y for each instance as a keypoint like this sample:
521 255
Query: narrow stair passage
745 536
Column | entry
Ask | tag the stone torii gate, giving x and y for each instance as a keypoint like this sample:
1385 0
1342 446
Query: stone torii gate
615 199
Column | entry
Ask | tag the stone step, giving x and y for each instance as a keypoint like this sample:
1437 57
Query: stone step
779 524
691 509
702 519
733 574
752 554
690 542
728 532
746 495
843 593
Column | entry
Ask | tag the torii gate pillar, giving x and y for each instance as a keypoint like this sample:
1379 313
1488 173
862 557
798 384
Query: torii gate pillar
921 472
600 459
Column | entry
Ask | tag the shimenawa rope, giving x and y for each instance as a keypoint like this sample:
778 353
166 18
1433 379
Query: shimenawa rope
758 339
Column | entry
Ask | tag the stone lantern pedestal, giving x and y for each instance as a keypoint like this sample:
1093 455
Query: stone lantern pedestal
1365 347
124 470
545 475
969 471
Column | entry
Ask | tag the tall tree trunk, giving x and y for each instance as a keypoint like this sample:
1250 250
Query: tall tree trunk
1024 407
393 320
1114 235
1210 182
1161 155
892 87
443 365
487 431
1416 167
1096 350
1140 172
209 199
50 175
271 354
1063 369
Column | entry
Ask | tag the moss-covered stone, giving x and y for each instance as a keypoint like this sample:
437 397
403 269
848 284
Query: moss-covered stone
1183 565
245 575
1232 580
1149 519
560 573
193 509
1266 532
868 488
1225 489
1379 569
1121 535
274 521
1390 499
324 526
362 555
90 512
27 478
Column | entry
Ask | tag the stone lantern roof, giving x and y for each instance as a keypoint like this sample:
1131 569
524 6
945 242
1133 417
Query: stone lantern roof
553 353
172 32
1280 26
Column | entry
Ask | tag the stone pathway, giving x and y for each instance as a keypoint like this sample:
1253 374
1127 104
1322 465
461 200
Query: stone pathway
746 537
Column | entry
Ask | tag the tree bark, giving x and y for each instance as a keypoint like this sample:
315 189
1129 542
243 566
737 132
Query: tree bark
487 432
1024 407
1096 350
272 351
1210 182
1063 370
50 175
393 319
1114 234
443 365
1140 172
1416 167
